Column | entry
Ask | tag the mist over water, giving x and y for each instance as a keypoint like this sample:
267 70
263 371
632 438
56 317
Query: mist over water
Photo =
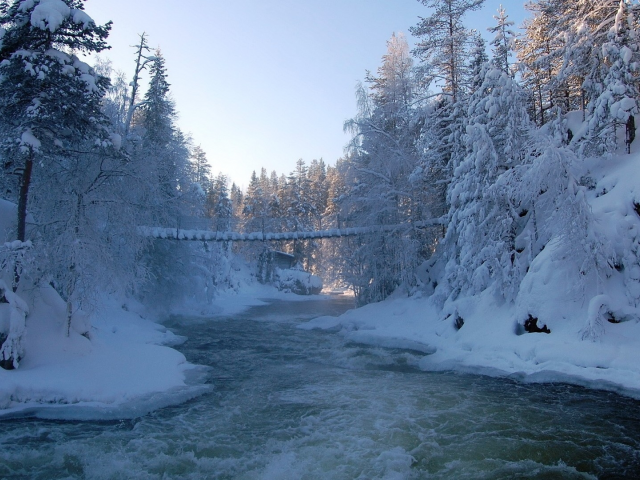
294 404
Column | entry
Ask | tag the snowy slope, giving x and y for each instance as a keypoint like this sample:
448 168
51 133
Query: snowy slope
584 346
124 371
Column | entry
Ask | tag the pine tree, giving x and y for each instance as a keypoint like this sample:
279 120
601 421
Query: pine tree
200 168
444 42
562 53
540 60
52 98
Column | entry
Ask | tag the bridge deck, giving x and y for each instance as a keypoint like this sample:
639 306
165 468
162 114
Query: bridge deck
211 236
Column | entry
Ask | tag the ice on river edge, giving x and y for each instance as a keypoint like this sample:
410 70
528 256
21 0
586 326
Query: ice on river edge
487 344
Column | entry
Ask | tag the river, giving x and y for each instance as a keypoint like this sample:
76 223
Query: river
293 404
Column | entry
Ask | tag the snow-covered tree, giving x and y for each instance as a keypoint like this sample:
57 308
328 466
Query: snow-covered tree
200 168
52 98
550 192
143 58
617 105
61 143
219 206
383 154
503 40
562 52
237 200
483 216
116 99
318 193
162 154
539 59
478 58
253 202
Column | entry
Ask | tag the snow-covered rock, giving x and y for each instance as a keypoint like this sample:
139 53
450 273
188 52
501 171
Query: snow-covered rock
298 282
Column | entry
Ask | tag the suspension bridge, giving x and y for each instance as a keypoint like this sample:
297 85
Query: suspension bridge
208 235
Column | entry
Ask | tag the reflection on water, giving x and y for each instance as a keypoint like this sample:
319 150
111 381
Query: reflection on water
295 404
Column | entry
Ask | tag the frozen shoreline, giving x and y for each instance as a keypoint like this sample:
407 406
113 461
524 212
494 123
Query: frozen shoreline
488 344
127 369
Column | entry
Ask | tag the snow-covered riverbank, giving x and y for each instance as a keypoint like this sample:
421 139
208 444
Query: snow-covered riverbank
124 370
488 344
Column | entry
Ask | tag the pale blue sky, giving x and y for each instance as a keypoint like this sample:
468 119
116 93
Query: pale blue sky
264 83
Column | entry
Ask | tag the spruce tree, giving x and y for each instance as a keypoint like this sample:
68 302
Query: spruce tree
617 105
503 40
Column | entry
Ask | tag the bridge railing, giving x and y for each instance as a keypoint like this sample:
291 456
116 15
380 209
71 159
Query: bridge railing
268 224
263 230
260 224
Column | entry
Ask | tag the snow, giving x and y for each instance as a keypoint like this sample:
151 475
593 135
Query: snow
248 293
116 140
25 5
124 370
50 14
298 281
626 54
122 367
12 324
80 17
488 343
595 329
28 140
61 57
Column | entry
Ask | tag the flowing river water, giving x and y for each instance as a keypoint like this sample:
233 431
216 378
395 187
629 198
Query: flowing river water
294 404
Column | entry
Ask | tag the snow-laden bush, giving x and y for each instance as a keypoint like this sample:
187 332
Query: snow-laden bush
298 282
13 311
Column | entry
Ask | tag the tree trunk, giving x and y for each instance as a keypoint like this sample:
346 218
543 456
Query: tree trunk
630 131
24 196
69 315
25 183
